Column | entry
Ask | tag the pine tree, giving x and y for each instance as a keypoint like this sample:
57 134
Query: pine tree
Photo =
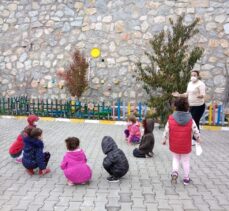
75 76
171 62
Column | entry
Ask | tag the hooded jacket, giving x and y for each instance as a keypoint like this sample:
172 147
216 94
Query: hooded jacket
147 142
31 119
115 162
18 145
180 132
75 166
33 155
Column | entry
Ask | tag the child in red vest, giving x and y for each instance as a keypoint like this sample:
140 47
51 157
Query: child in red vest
133 133
179 131
16 147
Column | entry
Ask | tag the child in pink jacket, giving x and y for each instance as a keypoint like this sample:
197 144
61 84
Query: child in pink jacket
133 133
74 163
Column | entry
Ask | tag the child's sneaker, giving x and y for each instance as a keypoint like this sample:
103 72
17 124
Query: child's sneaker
30 171
18 160
112 179
44 171
187 181
174 177
70 183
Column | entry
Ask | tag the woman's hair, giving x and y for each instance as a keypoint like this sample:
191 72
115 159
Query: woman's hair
181 104
33 132
132 118
72 143
198 74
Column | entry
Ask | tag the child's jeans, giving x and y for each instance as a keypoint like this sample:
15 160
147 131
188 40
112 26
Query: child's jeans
185 159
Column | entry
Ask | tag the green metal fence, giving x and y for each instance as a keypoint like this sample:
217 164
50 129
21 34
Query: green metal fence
54 108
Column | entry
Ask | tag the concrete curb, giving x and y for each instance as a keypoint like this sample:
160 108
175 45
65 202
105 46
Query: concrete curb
105 122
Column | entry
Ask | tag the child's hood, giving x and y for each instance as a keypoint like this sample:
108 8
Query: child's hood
31 119
77 155
34 142
148 125
108 144
181 117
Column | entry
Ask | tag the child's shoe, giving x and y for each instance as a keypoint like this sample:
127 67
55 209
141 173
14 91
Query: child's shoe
174 177
112 179
30 171
44 171
187 181
70 183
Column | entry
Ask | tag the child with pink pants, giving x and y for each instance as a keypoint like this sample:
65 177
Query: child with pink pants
179 131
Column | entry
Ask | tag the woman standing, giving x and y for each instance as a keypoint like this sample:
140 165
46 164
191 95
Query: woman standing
195 93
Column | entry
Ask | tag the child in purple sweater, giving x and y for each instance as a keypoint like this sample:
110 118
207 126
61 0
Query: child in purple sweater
74 163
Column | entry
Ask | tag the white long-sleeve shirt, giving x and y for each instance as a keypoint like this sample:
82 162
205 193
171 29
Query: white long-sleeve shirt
195 131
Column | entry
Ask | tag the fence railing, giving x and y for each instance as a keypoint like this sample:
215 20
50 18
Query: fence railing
70 108
214 114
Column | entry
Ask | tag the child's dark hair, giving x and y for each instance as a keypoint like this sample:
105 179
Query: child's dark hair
181 104
72 143
33 132
132 118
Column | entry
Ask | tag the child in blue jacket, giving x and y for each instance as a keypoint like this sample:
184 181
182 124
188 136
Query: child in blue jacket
33 156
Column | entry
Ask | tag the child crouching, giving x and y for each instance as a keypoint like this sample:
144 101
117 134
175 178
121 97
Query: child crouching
33 155
133 133
115 162
74 163
147 142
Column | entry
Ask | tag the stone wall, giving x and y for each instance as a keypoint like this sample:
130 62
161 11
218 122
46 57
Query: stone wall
38 37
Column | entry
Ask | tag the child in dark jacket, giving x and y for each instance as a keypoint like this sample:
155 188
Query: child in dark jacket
16 148
115 163
179 131
33 156
74 163
147 142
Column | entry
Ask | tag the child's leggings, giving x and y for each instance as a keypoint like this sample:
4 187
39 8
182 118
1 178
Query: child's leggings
185 159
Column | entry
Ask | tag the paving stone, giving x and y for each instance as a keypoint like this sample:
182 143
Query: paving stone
145 187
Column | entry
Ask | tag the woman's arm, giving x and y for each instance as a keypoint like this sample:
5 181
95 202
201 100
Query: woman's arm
177 94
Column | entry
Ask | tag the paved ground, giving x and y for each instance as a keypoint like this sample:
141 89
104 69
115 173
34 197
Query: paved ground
145 187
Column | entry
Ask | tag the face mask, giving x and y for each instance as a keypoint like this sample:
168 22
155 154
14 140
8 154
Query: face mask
35 123
193 79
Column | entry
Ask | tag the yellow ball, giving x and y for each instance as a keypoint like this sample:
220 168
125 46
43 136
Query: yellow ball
95 52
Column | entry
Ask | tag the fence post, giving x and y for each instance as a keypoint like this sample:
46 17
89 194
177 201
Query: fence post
223 116
113 111
128 109
123 111
119 110
219 114
140 111
210 115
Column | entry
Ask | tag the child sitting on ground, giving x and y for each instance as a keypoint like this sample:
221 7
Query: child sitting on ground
179 131
133 133
16 148
74 163
147 142
33 155
115 162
